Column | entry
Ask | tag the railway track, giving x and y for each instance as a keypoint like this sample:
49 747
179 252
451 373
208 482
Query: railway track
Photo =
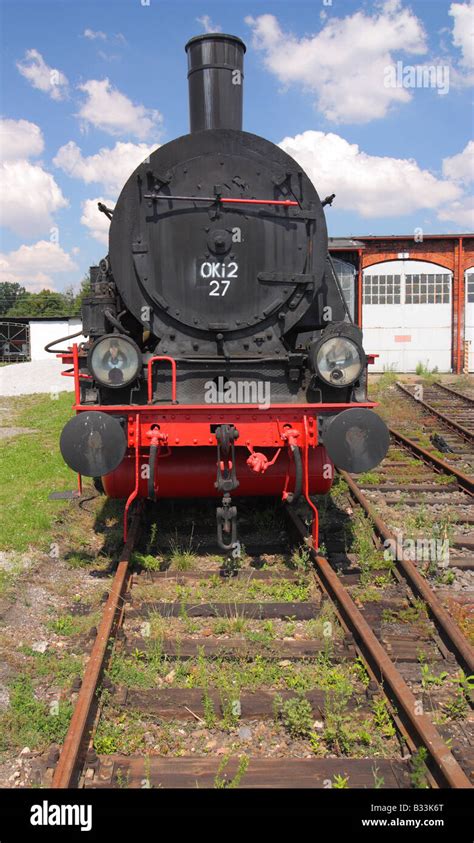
466 391
272 677
422 511
426 496
459 400
447 423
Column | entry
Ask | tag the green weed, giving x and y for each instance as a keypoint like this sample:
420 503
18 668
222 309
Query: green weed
221 780
418 773
297 717
29 721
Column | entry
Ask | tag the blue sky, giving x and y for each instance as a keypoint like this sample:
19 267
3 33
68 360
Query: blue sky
317 80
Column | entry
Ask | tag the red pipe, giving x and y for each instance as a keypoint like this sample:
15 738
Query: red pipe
77 387
134 492
460 290
285 202
315 525
359 289
77 394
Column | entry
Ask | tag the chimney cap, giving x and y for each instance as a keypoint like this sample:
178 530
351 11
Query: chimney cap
215 36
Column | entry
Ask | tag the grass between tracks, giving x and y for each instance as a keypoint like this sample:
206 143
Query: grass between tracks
358 730
152 669
31 466
218 589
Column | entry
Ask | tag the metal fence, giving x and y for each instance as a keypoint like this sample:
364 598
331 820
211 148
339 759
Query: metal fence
14 342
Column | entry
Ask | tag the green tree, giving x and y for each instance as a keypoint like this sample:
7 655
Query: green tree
10 293
84 290
69 299
16 301
45 303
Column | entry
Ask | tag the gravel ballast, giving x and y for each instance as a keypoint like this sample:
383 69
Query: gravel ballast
35 376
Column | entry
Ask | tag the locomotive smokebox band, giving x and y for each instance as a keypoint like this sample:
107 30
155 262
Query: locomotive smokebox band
215 78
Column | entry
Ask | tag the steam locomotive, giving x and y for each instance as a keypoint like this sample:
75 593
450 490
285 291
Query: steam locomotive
221 358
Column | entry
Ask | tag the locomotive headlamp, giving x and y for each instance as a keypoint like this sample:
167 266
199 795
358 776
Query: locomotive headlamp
338 361
338 357
115 361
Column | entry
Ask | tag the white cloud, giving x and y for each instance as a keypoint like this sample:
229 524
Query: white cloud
98 35
92 36
34 265
115 40
208 25
461 212
107 56
460 167
48 79
371 185
109 167
97 223
463 31
30 196
108 109
345 63
19 139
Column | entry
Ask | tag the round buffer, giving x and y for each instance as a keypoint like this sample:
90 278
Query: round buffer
356 440
93 444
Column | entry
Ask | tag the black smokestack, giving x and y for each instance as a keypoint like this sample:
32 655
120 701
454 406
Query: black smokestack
215 77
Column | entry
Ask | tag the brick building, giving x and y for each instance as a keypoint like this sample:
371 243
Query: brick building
414 300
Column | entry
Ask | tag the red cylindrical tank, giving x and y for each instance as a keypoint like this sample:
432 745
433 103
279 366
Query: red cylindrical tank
191 473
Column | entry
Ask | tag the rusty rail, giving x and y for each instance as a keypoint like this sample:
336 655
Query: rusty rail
455 393
64 774
443 766
446 626
463 431
464 480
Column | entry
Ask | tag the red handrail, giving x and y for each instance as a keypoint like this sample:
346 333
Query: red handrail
315 524
287 203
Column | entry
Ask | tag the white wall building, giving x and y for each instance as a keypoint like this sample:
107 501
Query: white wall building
407 306
25 339
44 331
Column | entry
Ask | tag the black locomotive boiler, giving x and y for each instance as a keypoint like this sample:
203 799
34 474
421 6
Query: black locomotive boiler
221 358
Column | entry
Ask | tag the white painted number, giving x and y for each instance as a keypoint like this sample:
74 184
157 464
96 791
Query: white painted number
219 275
218 288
